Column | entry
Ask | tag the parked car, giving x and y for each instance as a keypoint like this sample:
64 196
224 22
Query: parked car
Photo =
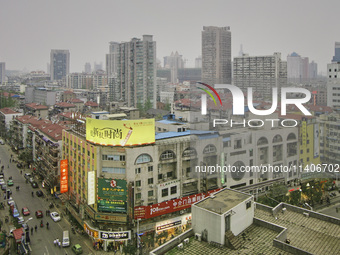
77 249
39 214
2 181
55 216
39 193
27 176
34 185
21 220
10 201
10 183
25 211
4 187
9 191
31 180
1 175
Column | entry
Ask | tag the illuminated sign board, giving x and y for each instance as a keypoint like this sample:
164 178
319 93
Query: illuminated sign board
120 132
91 192
63 176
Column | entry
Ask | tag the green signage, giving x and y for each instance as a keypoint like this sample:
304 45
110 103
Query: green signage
112 195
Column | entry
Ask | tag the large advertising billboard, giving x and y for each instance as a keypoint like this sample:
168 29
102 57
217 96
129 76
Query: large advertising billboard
112 195
120 132
63 176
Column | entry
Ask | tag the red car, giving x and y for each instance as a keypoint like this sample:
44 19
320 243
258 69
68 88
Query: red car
25 211
39 214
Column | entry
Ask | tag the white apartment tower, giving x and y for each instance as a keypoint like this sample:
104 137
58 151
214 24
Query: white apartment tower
216 55
262 73
59 64
136 72
333 85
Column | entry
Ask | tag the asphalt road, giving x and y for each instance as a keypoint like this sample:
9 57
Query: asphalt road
42 239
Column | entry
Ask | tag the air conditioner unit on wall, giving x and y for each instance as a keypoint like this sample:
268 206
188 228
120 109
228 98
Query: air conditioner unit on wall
198 237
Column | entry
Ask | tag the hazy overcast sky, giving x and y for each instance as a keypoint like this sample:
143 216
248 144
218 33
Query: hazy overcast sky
29 29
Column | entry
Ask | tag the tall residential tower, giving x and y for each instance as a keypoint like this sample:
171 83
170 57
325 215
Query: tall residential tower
216 55
136 72
59 64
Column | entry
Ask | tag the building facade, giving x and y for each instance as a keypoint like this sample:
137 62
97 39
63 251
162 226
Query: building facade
136 78
2 72
59 64
216 55
333 85
112 59
261 73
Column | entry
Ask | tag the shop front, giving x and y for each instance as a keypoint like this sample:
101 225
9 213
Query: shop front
107 240
168 229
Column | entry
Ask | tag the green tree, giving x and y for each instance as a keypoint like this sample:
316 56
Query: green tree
26 156
130 249
147 105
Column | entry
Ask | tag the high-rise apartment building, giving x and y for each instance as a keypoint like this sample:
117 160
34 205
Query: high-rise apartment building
336 57
111 59
174 62
88 68
262 73
198 62
136 72
59 64
333 85
2 72
299 70
216 55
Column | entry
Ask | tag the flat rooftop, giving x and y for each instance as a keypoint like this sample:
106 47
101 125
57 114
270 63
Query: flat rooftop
222 201
307 233
254 240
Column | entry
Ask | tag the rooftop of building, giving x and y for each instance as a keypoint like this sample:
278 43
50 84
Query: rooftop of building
171 122
223 201
7 110
68 92
65 105
92 104
76 100
310 234
37 106
254 240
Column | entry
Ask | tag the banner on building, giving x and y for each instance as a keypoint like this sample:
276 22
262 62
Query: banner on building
63 176
91 188
150 211
112 195
120 132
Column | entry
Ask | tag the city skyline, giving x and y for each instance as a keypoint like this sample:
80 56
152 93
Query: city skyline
29 30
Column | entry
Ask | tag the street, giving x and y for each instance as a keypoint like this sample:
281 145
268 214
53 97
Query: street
42 240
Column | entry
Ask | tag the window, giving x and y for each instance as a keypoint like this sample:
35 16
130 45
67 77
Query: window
83 150
251 182
150 168
160 176
138 195
138 183
209 149
308 159
169 174
150 181
251 152
93 155
138 170
167 155
144 158
307 150
112 170
301 151
173 190
88 153
248 205
165 192
150 193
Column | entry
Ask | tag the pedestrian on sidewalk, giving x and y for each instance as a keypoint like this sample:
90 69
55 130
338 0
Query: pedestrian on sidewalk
36 227
55 242
59 244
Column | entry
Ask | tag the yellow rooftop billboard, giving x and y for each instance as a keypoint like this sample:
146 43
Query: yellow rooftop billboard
120 132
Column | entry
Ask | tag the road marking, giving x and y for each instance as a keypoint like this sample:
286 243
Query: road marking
47 250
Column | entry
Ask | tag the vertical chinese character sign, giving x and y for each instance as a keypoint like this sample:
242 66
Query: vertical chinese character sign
63 176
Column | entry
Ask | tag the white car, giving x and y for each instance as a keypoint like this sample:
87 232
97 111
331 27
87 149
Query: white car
21 220
55 216
2 181
10 201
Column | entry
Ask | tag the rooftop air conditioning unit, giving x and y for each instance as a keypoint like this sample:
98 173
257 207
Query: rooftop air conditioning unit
120 229
180 246
198 237
186 240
